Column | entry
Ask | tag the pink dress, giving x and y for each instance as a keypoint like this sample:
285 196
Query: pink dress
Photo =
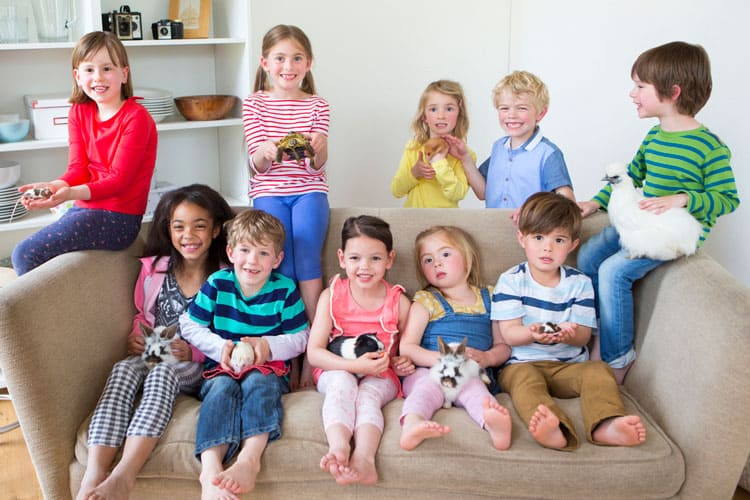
350 319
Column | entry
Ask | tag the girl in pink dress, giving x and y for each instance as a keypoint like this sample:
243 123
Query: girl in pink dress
357 389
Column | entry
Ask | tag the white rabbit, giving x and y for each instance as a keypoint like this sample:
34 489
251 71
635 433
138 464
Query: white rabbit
453 370
665 236
158 344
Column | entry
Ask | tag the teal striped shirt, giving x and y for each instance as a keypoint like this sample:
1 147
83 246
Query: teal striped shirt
276 309
694 162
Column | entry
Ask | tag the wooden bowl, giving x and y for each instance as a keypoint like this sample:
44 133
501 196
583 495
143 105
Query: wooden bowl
205 107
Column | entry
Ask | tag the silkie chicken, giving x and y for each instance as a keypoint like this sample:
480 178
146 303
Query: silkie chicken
665 236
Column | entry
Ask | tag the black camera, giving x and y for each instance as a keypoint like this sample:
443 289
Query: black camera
166 29
123 23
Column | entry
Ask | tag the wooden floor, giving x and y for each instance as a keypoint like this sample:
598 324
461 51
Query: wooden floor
17 477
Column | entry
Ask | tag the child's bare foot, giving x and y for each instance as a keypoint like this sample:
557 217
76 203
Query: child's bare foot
545 428
114 487
416 430
497 422
336 463
620 431
91 479
239 478
364 469
209 491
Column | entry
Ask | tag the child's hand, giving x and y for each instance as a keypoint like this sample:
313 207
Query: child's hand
567 332
181 350
481 357
588 207
59 195
226 355
268 150
136 345
537 334
261 348
456 147
422 169
306 378
661 204
318 141
372 363
515 215
402 365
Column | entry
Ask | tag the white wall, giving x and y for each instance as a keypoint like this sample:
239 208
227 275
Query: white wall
374 59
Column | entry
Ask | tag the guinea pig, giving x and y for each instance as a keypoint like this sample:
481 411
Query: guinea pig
243 355
433 146
354 347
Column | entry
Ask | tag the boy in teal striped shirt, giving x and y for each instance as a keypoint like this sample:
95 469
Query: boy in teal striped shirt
249 302
679 164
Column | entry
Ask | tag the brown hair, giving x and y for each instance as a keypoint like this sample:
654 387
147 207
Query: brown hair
449 88
463 242
278 34
367 225
545 211
523 82
90 44
256 226
677 63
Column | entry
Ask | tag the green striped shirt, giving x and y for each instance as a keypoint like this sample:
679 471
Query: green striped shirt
694 162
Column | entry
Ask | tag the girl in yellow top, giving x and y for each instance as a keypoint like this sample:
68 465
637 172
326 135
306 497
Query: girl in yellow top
440 181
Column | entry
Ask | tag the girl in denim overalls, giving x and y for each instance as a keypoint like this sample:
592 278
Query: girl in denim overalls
453 307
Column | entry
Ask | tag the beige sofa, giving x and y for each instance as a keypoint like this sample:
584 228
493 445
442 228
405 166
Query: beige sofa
64 325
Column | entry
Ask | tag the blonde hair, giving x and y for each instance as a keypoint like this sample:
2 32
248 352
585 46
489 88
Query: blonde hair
90 44
278 34
255 226
462 241
523 82
449 88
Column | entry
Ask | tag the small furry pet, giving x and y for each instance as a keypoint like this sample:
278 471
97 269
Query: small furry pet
158 347
434 146
354 347
665 236
453 370
243 355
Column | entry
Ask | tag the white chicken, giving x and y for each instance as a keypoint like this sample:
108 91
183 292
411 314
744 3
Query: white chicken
665 236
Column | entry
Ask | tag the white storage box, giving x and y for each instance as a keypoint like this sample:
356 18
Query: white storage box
49 115
155 195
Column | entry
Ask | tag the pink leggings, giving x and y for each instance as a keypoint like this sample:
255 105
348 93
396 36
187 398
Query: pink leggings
351 401
424 397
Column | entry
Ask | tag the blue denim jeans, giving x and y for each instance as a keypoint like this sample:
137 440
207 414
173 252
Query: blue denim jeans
233 410
613 275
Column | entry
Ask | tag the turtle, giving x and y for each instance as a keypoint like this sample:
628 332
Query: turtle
295 145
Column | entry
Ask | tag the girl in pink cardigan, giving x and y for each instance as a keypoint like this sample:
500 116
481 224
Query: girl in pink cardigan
185 244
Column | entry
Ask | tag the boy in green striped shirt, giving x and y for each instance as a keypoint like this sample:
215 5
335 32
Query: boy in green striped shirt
249 302
679 164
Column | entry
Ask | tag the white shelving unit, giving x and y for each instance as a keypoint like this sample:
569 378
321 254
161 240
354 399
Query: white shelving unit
210 152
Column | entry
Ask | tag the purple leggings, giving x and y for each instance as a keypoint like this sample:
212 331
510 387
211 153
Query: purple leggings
78 229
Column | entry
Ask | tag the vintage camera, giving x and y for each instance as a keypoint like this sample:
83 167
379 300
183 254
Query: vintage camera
166 29
125 24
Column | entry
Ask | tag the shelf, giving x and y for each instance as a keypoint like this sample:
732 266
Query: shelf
171 123
128 43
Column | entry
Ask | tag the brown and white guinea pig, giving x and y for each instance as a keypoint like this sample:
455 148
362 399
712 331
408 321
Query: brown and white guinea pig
434 146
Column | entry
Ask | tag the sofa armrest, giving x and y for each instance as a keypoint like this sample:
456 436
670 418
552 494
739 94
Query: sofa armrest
57 326
693 367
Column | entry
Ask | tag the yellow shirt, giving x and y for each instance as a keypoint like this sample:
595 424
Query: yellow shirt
445 190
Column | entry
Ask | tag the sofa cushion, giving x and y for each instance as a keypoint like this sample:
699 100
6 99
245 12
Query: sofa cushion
465 460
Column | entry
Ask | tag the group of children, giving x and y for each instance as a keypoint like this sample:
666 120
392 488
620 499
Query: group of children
256 277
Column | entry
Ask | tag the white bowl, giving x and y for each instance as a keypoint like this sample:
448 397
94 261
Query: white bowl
10 172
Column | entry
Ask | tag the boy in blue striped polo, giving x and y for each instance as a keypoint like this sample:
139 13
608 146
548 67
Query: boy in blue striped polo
249 302
679 164
545 311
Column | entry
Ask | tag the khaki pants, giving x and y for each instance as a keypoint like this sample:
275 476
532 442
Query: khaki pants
534 383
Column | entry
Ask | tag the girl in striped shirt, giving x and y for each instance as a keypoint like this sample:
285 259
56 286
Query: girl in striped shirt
296 192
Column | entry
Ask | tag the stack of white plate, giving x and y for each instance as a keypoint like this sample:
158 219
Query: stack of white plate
10 207
158 102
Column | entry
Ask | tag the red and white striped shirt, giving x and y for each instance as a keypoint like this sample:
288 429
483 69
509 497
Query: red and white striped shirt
267 118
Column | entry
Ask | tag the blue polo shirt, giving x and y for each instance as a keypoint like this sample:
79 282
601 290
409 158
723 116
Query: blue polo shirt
512 175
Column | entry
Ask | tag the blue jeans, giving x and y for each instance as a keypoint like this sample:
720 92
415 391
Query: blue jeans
305 220
233 410
613 275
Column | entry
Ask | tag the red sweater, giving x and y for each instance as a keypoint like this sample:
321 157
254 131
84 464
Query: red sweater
115 158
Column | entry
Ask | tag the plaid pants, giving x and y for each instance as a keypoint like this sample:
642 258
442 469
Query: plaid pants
112 421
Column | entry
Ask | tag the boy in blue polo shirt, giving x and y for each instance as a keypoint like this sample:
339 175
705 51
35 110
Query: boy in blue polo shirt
248 302
523 162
